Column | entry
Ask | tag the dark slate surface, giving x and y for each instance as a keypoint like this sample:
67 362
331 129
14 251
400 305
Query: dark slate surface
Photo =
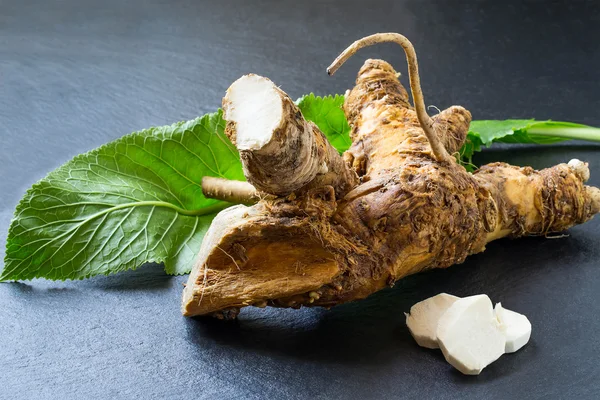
76 74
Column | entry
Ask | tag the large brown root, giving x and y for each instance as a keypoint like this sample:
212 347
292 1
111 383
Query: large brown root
414 209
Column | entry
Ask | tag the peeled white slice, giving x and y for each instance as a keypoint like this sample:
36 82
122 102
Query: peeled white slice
517 328
469 334
423 319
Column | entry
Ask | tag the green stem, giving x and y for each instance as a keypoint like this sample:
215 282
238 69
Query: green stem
583 133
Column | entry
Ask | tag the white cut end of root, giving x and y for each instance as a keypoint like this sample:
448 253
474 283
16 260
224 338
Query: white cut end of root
470 335
580 168
423 319
255 105
516 326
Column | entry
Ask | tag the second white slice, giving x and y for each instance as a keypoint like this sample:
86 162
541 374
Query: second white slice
470 335
517 327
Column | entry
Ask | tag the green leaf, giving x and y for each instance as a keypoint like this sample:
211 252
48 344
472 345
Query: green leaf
472 144
530 131
486 132
134 200
326 112
549 132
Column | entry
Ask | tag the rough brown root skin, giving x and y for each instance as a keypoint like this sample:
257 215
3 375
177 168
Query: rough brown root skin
379 101
451 126
282 153
534 202
235 192
426 123
269 254
409 213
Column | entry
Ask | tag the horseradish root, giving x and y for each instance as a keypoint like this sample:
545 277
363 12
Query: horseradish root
397 203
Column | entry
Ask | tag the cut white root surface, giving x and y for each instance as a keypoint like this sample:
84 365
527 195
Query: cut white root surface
470 336
580 168
423 319
256 107
517 328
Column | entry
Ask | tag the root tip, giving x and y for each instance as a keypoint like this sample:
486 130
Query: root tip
580 168
594 195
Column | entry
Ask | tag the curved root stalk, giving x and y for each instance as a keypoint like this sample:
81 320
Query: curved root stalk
410 212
